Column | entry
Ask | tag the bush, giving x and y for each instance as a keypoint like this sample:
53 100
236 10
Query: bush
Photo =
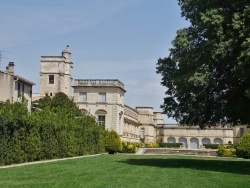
131 147
226 150
243 147
170 145
211 146
113 142
152 145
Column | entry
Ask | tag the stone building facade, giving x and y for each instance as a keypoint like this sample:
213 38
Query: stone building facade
56 74
104 99
15 88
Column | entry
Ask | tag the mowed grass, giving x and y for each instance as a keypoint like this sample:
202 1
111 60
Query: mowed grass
132 171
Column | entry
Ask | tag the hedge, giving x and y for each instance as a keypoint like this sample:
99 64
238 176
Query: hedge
170 145
211 146
46 134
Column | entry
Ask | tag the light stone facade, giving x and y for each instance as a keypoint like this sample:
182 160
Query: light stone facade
104 99
56 74
15 88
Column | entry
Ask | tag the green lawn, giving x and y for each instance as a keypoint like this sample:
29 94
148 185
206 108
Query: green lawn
132 171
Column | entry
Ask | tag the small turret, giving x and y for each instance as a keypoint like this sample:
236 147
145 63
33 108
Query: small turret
66 53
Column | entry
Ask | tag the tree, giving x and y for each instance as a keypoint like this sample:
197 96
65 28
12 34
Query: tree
60 102
207 71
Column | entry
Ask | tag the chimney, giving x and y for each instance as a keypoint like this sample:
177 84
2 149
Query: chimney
11 67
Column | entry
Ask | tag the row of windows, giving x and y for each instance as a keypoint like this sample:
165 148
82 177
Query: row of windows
83 97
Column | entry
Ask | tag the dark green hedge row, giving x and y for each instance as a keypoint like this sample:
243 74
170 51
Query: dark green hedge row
211 146
170 145
46 134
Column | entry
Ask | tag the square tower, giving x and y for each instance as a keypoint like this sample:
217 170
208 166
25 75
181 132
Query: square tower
56 74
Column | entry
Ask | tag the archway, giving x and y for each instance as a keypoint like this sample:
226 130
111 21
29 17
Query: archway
171 140
194 143
217 141
205 141
183 141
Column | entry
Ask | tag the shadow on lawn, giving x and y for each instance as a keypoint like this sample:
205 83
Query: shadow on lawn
238 167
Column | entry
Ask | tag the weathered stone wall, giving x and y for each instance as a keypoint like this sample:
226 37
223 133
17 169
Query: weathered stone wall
6 86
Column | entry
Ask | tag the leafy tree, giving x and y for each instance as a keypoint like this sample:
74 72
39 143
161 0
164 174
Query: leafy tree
207 71
60 102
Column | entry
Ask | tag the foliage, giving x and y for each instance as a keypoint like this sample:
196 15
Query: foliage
207 71
152 145
170 145
131 147
60 102
243 147
113 142
53 132
226 150
211 146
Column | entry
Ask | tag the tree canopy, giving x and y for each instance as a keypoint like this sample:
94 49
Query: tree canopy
207 73
60 102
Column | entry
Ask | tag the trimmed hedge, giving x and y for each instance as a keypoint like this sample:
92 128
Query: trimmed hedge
46 134
170 145
211 146
243 147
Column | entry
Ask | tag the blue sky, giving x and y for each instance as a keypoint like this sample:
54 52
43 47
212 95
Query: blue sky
108 39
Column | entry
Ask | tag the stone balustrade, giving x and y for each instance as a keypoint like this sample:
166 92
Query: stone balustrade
98 82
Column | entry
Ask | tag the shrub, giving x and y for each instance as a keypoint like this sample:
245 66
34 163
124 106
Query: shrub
130 147
211 146
113 142
243 147
152 145
226 150
170 145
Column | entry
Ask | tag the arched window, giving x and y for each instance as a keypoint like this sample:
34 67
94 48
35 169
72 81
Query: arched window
183 141
84 111
194 143
205 141
171 140
217 141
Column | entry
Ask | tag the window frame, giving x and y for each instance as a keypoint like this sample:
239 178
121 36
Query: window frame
102 97
101 119
83 97
51 79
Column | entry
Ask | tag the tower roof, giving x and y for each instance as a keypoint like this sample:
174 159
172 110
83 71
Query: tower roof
66 50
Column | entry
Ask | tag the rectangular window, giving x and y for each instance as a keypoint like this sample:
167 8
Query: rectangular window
82 97
18 89
142 136
241 132
102 97
101 120
51 79
23 88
